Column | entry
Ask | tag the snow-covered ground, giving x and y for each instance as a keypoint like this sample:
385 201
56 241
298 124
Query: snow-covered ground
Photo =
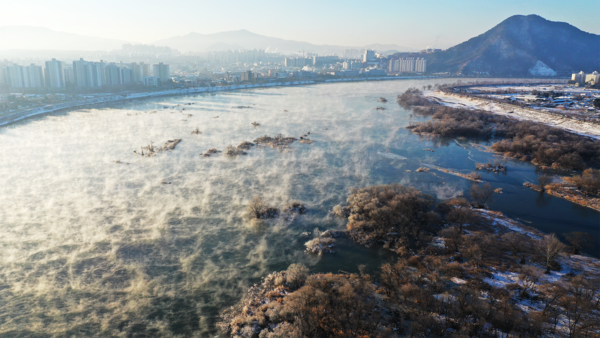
575 126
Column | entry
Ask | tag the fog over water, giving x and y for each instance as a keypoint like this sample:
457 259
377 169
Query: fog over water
90 246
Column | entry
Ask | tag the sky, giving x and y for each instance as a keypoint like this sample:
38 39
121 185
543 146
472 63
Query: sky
414 24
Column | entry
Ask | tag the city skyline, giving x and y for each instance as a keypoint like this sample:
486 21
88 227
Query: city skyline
440 24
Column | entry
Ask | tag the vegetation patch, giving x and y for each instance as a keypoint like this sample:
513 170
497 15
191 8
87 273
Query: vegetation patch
395 216
543 145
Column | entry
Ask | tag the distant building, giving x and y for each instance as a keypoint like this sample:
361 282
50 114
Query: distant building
430 50
578 77
297 62
150 81
162 72
246 76
112 74
593 78
138 72
69 75
408 65
146 70
88 74
369 56
24 76
54 73
321 60
127 75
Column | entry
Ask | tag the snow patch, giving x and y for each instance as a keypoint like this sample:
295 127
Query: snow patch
541 69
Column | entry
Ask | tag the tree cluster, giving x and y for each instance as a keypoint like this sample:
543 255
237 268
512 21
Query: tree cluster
542 144
396 216
588 182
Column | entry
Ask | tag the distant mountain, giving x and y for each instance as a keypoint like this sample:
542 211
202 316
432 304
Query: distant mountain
522 45
243 39
39 38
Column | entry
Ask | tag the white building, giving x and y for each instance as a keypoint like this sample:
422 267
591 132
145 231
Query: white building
138 72
408 65
55 77
593 78
150 81
578 77
88 74
24 76
162 72
369 56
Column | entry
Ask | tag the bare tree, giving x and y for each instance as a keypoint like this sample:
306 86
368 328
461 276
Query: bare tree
548 249
544 180
481 194
518 244
452 237
579 240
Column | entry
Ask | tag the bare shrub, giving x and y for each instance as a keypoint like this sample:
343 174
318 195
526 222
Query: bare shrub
481 194
296 275
257 208
296 207
547 249
245 145
578 241
395 214
588 182
475 176
263 139
320 245
234 151
518 245
544 180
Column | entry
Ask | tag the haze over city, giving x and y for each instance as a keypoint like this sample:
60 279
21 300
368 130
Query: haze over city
312 169
413 24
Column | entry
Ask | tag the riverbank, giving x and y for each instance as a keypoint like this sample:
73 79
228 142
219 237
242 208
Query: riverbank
554 120
99 101
569 193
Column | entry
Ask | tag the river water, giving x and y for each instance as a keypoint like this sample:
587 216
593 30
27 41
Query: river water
91 246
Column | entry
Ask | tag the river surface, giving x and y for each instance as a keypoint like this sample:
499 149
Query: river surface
92 242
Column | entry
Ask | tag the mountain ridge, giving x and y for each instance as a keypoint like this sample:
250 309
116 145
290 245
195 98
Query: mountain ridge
515 45
198 42
42 38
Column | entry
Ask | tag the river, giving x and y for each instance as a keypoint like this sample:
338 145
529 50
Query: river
92 241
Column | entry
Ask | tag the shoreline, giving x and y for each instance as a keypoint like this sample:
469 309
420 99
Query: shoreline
568 193
19 116
574 126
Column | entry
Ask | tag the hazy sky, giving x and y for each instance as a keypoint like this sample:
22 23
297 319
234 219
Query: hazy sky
416 24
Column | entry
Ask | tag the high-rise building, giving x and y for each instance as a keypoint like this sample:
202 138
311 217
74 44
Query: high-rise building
593 78
24 76
69 75
162 72
112 74
369 56
138 72
80 73
408 65
55 77
246 76
127 75
150 81
578 77
320 60
146 70
36 76
88 74
14 76
420 65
